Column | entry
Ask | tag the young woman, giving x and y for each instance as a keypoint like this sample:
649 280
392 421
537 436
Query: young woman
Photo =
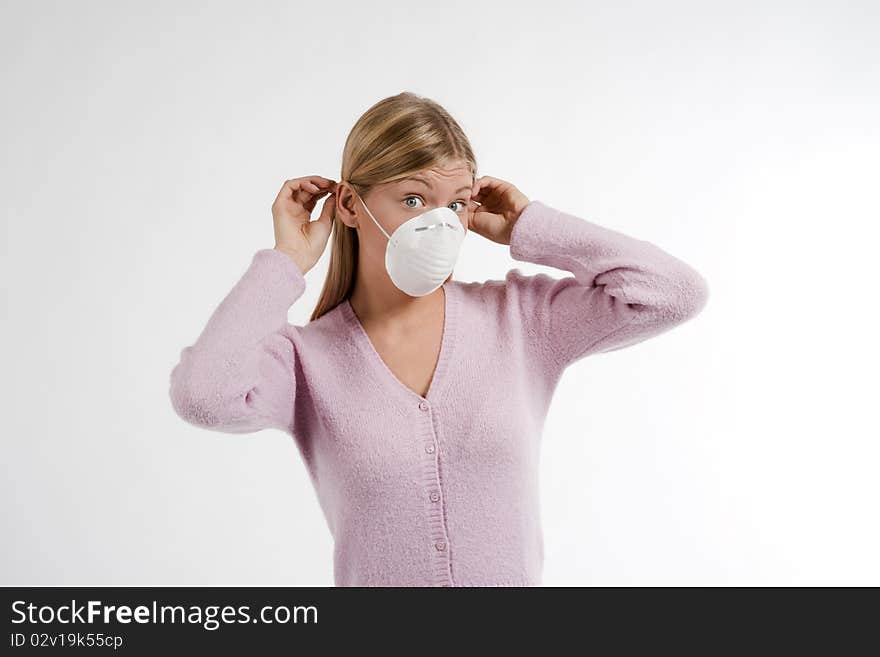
417 401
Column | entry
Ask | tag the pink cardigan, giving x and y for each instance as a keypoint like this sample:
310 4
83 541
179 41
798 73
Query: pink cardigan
440 490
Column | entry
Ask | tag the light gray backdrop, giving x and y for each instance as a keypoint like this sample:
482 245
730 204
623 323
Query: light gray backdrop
143 144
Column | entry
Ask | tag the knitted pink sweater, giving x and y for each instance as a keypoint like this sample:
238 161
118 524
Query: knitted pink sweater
440 490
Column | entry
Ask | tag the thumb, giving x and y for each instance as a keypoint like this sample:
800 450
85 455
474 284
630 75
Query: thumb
476 221
319 229
328 210
472 216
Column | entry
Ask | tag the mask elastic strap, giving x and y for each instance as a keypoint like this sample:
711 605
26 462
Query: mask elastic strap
372 217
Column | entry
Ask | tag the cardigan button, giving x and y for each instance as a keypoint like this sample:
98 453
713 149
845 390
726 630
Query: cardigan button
435 497
429 449
423 405
440 545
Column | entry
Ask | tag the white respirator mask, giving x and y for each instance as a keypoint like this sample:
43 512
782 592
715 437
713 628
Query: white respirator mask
422 251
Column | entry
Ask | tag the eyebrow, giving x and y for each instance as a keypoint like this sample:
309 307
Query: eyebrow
422 180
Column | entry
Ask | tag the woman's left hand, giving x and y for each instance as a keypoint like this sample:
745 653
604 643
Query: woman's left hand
500 204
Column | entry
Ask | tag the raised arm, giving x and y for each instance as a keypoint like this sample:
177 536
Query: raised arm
240 374
624 290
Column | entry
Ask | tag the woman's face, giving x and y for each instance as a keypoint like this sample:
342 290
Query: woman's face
394 203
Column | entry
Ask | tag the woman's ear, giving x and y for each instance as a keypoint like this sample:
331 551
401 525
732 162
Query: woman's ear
345 205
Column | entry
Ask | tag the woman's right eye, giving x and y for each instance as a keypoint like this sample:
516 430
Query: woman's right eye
416 198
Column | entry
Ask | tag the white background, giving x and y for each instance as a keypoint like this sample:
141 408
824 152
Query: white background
143 144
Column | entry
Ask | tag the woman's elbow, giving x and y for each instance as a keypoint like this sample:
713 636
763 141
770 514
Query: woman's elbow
691 295
191 401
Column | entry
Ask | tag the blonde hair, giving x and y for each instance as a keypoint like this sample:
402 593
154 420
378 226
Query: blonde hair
395 138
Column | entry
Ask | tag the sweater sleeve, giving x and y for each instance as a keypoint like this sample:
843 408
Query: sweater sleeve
624 290
239 375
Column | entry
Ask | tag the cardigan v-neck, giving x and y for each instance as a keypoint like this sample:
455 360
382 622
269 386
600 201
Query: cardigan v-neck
440 490
383 372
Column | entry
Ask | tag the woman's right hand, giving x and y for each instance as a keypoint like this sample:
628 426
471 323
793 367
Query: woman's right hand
296 235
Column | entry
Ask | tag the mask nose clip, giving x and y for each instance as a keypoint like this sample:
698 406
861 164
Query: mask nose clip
437 225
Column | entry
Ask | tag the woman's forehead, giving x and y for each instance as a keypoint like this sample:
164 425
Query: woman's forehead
442 176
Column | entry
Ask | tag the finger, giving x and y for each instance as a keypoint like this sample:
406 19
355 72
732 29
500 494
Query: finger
478 185
489 192
312 184
287 190
321 181
304 191
487 187
327 209
301 191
